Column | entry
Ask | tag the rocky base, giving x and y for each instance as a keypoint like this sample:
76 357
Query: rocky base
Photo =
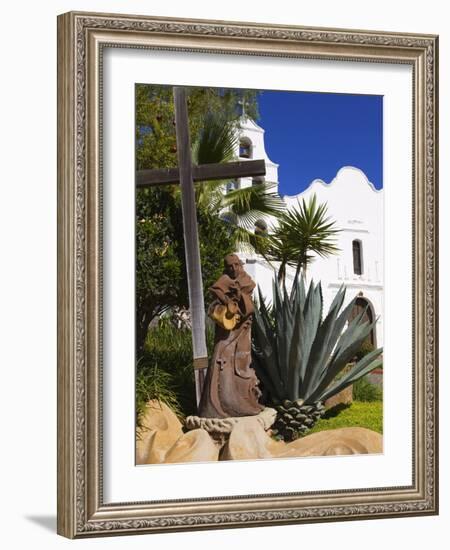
161 440
220 428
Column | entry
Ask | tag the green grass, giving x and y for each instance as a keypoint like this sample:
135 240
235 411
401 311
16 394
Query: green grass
358 414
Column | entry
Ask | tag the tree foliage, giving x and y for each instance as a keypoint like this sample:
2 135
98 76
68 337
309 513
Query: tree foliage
161 276
161 280
155 119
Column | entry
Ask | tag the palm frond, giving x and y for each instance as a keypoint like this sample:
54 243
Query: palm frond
209 195
216 142
248 204
303 231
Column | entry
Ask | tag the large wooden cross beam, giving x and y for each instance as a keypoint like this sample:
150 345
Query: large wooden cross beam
185 174
203 172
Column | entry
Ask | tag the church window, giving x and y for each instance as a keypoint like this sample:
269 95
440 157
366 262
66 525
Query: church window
245 148
357 257
232 186
258 180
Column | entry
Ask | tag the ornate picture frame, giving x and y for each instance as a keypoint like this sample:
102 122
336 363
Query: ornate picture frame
82 510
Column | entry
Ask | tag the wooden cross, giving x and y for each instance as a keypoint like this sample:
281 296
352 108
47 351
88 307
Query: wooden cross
185 174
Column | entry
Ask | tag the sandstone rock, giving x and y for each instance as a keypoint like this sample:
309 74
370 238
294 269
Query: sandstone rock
248 440
193 446
160 429
343 441
161 440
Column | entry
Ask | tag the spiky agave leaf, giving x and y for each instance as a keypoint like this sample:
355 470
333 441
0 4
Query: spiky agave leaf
295 352
313 317
343 357
321 346
280 316
265 354
368 363
266 314
325 344
306 353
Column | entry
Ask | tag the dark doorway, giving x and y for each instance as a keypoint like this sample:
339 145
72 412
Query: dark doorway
362 304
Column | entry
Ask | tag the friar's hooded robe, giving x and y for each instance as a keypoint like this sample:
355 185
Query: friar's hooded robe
231 385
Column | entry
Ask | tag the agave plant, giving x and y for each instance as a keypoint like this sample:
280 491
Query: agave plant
300 356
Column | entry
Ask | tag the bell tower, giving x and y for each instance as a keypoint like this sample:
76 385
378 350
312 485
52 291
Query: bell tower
250 145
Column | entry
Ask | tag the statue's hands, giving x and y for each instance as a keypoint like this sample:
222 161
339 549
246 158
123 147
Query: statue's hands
235 289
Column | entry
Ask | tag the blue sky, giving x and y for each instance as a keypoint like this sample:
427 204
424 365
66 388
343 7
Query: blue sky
313 135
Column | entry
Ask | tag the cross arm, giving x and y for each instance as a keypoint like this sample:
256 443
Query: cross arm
203 172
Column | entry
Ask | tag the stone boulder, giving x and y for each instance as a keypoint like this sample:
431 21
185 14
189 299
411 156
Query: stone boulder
161 439
248 440
343 441
194 446
160 429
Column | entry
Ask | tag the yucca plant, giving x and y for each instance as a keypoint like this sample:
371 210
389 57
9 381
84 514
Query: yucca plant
301 234
300 356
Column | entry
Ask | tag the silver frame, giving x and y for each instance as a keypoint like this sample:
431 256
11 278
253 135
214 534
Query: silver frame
81 38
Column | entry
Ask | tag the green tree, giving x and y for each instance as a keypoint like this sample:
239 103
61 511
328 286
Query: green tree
161 280
160 263
155 119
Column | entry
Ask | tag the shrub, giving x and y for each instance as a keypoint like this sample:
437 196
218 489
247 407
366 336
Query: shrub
363 390
366 347
166 371
154 383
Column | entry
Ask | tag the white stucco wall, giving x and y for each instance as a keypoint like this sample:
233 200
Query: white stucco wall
357 207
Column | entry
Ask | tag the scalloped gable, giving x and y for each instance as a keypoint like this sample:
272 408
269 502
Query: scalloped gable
352 199
348 178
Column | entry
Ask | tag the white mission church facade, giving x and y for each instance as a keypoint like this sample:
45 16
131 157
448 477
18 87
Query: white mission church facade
356 206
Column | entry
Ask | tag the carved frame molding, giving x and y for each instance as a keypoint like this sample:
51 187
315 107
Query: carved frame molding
81 37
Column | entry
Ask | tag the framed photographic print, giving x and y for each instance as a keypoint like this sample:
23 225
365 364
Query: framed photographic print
247 284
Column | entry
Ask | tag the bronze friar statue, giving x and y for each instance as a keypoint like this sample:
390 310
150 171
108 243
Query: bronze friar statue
231 385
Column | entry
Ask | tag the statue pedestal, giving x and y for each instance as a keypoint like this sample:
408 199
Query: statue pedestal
220 428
